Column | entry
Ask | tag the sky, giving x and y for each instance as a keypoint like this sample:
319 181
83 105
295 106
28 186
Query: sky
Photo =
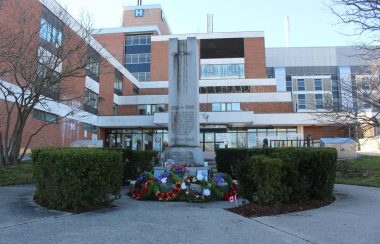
311 22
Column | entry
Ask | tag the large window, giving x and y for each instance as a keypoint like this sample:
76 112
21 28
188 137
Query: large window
91 101
221 107
318 85
301 84
149 109
118 83
222 70
335 91
318 101
301 101
224 89
89 128
142 76
289 83
138 40
50 34
45 116
92 67
140 58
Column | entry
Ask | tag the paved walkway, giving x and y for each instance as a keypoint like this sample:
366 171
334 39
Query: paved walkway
353 218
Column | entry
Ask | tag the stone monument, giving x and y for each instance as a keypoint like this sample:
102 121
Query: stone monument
184 103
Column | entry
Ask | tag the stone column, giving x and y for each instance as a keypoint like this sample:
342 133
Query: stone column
184 102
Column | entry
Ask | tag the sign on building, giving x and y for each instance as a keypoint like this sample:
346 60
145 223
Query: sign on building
139 12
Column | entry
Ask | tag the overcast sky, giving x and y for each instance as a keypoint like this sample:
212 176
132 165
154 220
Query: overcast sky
311 23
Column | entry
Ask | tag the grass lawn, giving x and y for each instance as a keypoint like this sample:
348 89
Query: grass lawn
21 173
364 171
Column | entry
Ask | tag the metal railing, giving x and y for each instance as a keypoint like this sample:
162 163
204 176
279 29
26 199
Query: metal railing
294 143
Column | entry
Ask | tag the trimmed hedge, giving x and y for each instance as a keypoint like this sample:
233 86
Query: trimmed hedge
309 173
76 179
135 163
266 176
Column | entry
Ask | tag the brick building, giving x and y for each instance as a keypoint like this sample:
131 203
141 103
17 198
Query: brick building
247 92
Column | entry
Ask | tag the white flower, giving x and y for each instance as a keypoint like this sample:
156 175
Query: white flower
183 186
206 192
194 180
164 180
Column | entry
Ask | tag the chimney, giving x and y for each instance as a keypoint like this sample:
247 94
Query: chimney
210 23
287 30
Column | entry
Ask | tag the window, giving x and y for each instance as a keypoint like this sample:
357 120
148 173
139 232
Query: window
222 70
138 40
50 34
318 101
45 116
150 109
289 83
118 83
301 84
91 101
318 84
217 107
140 58
89 128
92 67
301 101
335 92
224 89
142 76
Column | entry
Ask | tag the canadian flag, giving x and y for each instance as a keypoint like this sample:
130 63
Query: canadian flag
232 199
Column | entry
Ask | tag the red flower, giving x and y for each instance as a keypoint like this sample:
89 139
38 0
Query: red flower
159 194
175 191
178 185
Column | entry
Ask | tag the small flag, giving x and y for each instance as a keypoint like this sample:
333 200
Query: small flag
232 199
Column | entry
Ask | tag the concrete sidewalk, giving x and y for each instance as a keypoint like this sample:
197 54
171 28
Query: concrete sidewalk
353 218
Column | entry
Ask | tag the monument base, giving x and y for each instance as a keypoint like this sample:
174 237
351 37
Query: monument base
191 156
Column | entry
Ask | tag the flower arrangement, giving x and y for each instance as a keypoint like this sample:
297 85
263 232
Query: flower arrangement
221 192
179 168
168 178
170 186
193 196
144 186
171 195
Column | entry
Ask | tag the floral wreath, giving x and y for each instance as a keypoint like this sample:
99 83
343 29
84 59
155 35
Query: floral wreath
224 178
191 195
174 192
144 186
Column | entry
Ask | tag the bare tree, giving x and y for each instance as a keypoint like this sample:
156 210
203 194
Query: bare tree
41 59
363 16
359 105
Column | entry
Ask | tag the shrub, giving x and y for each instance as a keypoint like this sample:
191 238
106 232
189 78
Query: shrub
76 179
136 162
309 173
228 159
266 176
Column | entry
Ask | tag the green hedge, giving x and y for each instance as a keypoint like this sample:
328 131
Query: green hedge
308 173
136 162
76 179
263 177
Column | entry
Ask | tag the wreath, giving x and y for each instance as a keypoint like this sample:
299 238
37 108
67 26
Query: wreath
144 186
224 178
174 192
191 194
